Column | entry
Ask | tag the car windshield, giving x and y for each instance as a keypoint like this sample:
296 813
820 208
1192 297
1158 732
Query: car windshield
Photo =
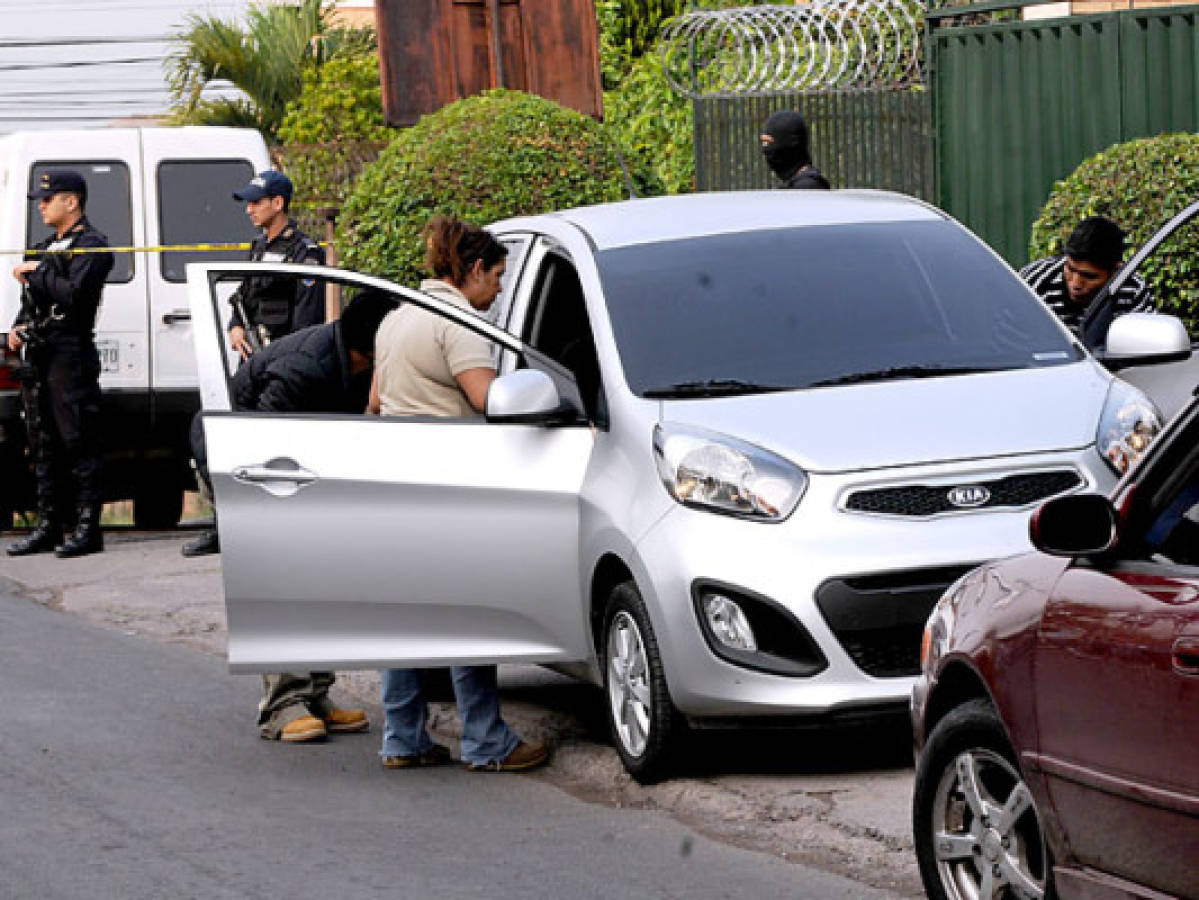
793 308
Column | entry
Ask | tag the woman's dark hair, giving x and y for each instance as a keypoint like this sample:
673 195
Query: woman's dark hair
454 246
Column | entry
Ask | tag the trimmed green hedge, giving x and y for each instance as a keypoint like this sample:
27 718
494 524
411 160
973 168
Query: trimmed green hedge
499 154
1140 185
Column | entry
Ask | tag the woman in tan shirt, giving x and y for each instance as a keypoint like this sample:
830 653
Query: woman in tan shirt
426 365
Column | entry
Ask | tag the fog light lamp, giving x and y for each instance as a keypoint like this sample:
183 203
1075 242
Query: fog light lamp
728 623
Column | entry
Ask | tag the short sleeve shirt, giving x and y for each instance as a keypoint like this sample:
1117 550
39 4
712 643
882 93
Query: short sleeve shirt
418 356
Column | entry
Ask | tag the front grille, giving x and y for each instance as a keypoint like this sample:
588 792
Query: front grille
879 618
926 500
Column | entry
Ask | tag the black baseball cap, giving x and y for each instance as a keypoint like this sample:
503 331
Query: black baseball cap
265 184
59 181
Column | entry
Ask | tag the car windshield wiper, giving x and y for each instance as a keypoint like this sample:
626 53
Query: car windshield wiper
896 372
713 387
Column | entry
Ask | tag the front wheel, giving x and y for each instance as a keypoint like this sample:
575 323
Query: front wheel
644 722
977 831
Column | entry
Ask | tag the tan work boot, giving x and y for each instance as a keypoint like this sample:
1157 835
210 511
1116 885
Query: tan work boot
346 721
307 728
524 757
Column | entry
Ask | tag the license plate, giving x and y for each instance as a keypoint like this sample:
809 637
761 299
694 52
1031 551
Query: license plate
110 356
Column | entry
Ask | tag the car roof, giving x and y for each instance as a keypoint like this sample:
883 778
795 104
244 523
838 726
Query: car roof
655 219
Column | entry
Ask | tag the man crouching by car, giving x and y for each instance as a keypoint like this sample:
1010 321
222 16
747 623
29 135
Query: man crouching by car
320 369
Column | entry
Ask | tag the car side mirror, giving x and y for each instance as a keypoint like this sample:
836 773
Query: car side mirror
1144 339
527 396
1075 525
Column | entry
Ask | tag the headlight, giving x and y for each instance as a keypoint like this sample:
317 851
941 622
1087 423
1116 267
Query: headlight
1128 424
722 474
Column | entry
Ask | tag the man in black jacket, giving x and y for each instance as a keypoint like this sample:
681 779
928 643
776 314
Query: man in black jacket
784 142
321 369
56 326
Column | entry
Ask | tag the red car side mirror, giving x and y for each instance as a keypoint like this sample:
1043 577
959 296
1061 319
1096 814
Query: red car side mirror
1075 525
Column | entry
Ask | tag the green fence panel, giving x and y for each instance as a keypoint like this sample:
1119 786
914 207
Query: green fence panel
871 139
1017 106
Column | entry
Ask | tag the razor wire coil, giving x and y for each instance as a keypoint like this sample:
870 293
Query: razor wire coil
822 45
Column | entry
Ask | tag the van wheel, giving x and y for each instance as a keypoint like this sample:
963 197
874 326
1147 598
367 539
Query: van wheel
645 725
154 510
977 830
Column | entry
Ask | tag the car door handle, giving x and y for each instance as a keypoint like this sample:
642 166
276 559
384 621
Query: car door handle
281 477
175 316
1186 656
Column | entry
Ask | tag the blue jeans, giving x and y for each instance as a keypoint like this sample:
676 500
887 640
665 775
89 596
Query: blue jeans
485 736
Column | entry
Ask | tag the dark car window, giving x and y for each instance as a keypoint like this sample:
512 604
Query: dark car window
196 206
108 209
801 307
558 326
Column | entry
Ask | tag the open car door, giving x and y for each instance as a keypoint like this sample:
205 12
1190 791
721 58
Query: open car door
359 541
1170 385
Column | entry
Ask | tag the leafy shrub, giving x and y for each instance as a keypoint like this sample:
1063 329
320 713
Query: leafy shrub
628 30
331 131
654 125
502 153
655 128
1140 185
340 101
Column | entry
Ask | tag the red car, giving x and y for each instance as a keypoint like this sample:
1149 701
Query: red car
1057 716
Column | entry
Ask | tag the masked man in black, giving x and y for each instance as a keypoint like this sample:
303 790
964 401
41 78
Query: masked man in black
784 141
56 326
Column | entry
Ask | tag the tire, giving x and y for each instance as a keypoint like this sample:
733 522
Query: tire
644 723
966 844
155 510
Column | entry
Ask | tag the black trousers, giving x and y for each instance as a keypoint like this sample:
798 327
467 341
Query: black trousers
63 423
200 453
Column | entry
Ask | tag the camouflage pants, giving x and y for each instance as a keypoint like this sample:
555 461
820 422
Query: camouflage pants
288 696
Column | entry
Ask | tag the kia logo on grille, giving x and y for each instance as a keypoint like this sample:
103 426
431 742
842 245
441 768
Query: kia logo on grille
969 495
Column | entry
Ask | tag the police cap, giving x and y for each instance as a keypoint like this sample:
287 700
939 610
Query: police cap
265 184
59 181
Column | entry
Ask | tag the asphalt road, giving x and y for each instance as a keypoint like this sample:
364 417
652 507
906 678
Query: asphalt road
127 770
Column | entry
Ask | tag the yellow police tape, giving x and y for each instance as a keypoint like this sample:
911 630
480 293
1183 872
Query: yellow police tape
168 248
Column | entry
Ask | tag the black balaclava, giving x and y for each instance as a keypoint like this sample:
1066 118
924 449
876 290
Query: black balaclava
789 152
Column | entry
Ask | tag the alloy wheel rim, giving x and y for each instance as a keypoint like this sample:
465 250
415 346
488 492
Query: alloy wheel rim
987 837
628 684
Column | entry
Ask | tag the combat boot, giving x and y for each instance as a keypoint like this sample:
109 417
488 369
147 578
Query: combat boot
87 537
44 538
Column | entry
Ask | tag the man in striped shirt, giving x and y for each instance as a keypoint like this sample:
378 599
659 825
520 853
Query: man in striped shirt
1069 283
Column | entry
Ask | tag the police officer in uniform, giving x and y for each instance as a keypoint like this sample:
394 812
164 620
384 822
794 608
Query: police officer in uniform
275 306
266 308
56 326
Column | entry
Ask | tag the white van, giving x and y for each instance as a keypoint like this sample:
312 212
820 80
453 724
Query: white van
147 187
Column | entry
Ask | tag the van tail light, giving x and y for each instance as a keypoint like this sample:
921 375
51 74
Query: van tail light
10 362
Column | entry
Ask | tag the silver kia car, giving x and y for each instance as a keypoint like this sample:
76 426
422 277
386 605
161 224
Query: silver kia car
739 445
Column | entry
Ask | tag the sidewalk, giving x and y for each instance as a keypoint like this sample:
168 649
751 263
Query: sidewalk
840 804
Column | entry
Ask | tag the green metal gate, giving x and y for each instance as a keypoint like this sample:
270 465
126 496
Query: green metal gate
1018 105
871 138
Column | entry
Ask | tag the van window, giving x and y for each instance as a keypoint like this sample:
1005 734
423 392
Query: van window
196 206
108 208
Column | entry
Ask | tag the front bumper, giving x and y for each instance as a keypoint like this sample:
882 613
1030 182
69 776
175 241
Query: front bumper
861 586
